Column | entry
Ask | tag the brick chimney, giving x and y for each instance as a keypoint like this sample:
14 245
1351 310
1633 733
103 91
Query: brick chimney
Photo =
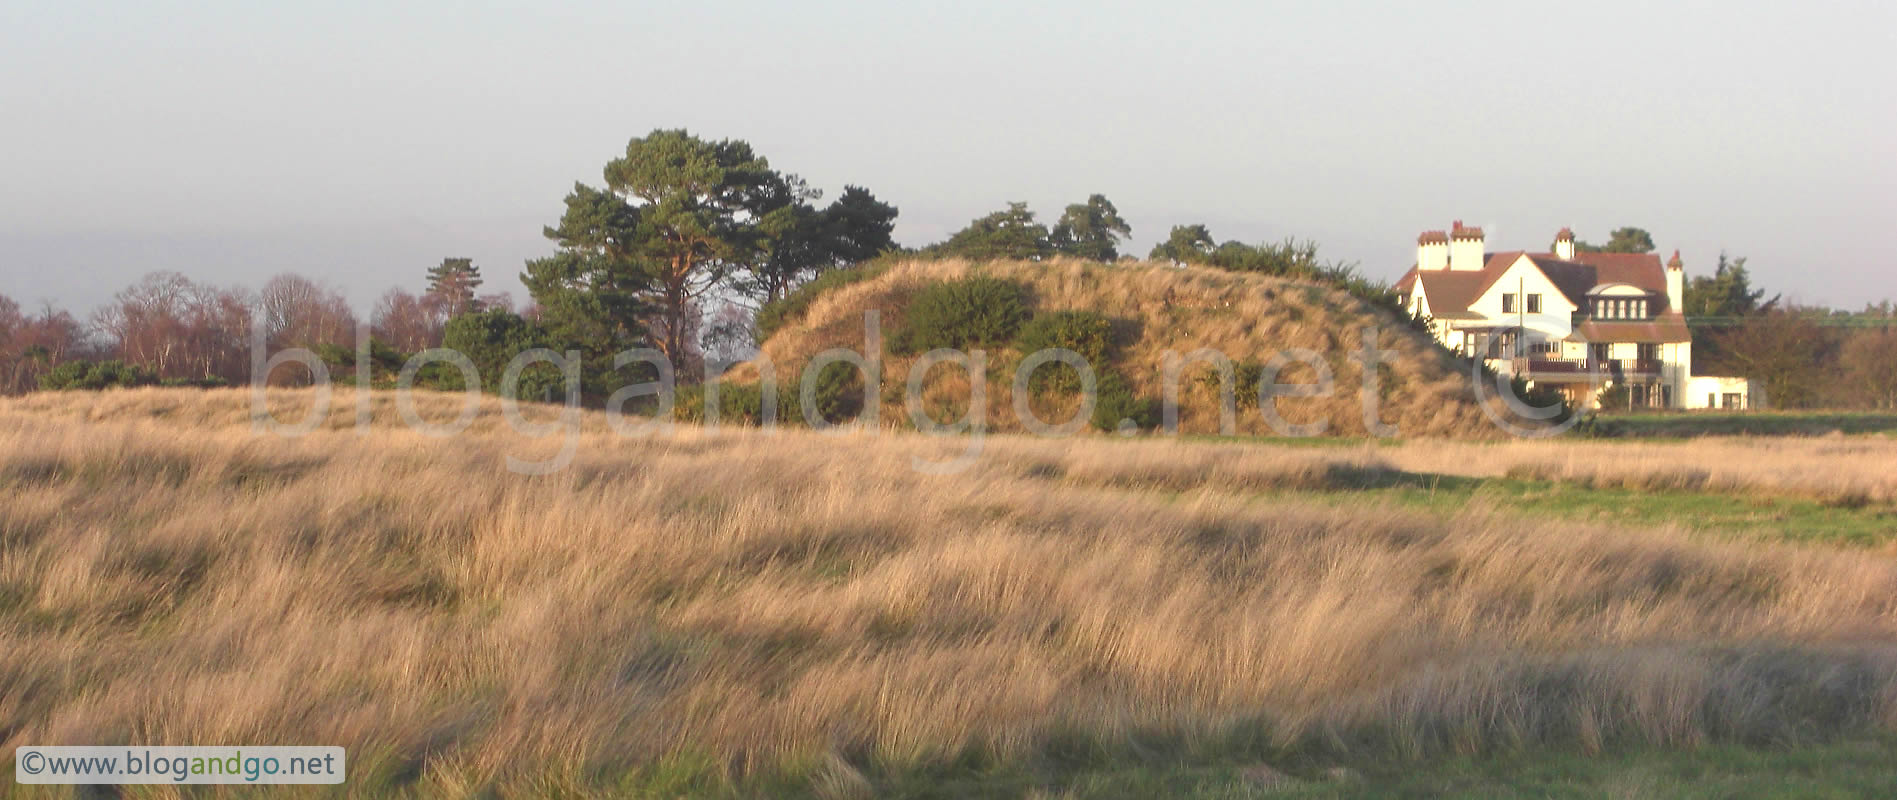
1564 245
1466 251
1675 283
1432 251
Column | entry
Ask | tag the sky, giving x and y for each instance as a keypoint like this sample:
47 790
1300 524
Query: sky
361 142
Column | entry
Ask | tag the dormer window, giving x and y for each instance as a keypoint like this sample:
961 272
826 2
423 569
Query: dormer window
1620 308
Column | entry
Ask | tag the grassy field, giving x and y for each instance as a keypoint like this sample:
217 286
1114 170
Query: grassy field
711 614
1747 423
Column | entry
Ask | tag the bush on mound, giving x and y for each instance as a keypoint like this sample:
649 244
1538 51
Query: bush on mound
1115 403
965 313
1085 332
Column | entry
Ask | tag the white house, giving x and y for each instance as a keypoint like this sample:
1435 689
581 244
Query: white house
1580 322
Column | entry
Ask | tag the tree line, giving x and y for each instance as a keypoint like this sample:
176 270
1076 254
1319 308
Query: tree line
167 328
677 247
688 246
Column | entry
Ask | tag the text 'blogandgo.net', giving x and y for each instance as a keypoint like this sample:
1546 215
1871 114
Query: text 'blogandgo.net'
179 765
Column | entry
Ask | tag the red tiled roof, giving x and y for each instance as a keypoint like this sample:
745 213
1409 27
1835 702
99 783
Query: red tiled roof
1638 269
1665 328
1432 237
1454 290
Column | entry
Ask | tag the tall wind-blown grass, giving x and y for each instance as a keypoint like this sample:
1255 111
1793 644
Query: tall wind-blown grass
808 605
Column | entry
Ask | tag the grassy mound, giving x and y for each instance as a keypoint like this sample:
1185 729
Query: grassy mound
1153 309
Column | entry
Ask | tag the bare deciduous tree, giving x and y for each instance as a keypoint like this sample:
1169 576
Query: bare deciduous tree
1869 363
1782 350
299 312
407 322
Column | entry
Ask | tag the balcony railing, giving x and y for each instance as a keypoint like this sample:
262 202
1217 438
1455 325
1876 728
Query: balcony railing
1610 367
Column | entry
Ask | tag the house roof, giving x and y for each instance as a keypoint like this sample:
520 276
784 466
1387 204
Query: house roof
1451 291
1454 290
1670 327
1640 269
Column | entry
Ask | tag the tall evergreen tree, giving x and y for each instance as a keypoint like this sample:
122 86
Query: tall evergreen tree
858 226
453 283
699 207
1727 292
594 292
797 242
789 244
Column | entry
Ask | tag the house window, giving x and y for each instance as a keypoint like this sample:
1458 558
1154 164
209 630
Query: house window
1534 304
1649 352
1598 352
1732 402
1508 303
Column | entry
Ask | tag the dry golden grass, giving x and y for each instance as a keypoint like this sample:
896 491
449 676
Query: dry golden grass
1838 470
1156 308
801 599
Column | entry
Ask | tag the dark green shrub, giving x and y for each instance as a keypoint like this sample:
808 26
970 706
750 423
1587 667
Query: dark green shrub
738 404
837 399
490 340
839 393
1245 378
792 306
95 376
1114 401
1542 396
972 312
1084 332
385 363
207 382
1613 398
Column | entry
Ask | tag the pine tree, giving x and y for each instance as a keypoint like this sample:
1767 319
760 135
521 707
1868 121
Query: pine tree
452 284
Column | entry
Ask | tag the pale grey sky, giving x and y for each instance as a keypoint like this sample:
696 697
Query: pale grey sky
360 142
